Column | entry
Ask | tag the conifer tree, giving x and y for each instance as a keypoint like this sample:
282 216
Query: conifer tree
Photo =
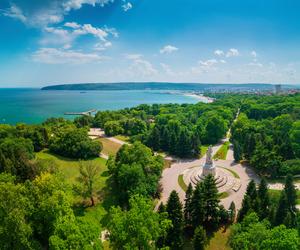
246 208
237 151
211 201
251 190
232 212
264 199
197 203
161 241
174 209
282 209
291 193
161 208
199 239
188 205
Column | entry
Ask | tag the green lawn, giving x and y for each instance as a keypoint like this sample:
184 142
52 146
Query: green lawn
109 147
223 195
233 172
219 241
123 138
182 183
70 167
222 152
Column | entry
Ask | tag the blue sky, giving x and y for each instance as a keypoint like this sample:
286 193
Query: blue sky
212 41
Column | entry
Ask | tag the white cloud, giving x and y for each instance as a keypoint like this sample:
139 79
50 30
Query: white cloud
167 69
102 46
47 12
168 49
89 29
232 52
204 66
59 56
208 63
57 36
253 54
140 66
219 52
143 67
133 56
14 12
257 64
72 25
127 6
77 4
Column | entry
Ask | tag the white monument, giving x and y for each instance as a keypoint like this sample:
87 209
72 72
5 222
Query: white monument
209 166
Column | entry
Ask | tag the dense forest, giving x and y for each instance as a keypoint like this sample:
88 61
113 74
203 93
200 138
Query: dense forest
177 129
41 209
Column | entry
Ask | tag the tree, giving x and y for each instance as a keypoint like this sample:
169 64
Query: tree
237 151
264 199
15 229
112 128
291 193
51 199
251 190
211 201
89 172
174 210
295 138
75 233
282 209
199 239
83 121
135 170
215 129
232 212
146 226
15 157
197 204
246 207
253 234
75 143
188 206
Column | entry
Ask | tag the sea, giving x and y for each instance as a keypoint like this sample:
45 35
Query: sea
34 106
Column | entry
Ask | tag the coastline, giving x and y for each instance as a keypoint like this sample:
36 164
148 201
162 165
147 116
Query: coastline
200 97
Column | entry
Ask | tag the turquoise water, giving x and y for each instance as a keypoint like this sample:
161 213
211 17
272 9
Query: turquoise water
34 105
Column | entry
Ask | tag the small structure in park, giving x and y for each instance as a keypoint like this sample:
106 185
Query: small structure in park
225 181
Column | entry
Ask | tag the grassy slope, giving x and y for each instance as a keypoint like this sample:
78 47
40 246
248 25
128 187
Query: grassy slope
70 169
219 240
123 138
182 183
222 152
109 147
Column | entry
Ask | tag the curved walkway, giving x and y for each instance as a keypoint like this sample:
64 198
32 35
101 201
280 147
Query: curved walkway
170 175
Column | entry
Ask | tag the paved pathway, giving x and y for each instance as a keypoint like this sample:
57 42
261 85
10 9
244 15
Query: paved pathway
170 175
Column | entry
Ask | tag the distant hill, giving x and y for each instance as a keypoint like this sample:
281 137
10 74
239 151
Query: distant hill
160 86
